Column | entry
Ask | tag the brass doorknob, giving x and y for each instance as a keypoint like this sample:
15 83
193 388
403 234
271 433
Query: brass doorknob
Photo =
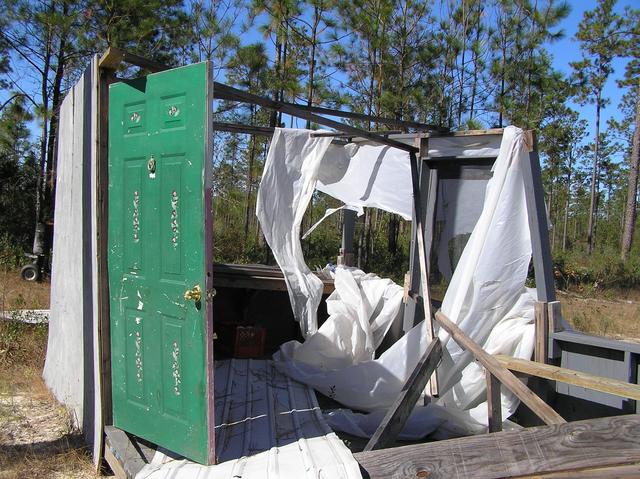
194 294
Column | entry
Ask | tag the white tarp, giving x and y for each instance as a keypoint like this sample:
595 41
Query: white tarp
298 162
370 175
288 181
486 298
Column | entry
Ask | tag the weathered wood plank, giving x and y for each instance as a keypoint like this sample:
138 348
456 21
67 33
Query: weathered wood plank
494 403
506 377
396 417
569 376
540 450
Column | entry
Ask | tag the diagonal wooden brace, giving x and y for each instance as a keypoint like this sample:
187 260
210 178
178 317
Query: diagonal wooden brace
397 416
506 377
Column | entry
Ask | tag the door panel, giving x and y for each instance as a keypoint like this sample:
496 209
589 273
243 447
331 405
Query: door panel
159 156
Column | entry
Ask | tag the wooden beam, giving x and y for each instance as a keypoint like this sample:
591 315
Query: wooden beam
569 376
113 57
506 377
295 110
494 402
397 416
422 259
243 129
601 442
225 94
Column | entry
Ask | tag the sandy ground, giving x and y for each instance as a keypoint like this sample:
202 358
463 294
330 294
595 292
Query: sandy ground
37 440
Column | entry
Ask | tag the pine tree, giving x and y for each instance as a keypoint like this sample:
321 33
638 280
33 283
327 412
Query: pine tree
632 82
600 35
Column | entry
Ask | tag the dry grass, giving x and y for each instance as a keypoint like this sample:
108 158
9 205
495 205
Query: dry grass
608 314
18 294
37 439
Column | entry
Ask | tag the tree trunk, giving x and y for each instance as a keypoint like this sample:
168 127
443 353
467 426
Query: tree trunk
632 188
594 180
566 205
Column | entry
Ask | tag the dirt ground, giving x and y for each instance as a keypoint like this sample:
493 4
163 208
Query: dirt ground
18 294
37 438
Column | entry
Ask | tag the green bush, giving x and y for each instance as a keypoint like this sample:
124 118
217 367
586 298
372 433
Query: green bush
602 270
11 255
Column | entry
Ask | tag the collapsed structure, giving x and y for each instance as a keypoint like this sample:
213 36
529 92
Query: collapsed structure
137 246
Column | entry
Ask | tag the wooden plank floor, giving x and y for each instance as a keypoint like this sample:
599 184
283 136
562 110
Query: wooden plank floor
546 451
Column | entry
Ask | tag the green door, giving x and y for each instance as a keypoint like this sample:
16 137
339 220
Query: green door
159 259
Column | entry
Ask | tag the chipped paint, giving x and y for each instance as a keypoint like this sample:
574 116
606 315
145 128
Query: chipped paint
138 353
174 218
136 216
175 368
140 303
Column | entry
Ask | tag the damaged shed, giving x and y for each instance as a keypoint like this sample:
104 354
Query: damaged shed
163 392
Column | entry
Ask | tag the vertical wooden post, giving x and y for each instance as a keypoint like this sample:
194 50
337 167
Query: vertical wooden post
494 402
538 226
554 312
413 313
422 258
542 332
348 228
106 76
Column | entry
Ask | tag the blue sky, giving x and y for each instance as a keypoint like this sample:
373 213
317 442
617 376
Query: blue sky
568 50
564 51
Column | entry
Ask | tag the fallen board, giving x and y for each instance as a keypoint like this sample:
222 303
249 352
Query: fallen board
541 450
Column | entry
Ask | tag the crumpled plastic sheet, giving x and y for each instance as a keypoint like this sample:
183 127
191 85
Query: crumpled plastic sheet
486 298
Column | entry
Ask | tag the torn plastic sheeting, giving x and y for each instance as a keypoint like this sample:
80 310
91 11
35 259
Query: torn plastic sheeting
486 298
368 175
361 310
359 175
288 181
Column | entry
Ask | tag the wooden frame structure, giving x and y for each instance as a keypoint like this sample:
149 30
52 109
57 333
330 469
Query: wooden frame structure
424 180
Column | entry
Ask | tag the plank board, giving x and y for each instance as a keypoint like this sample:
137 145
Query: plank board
569 376
541 450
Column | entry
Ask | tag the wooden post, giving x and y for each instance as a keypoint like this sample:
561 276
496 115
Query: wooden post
106 76
422 258
538 226
413 313
348 228
494 402
397 416
542 331
554 312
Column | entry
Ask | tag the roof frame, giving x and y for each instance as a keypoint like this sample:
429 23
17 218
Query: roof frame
112 58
